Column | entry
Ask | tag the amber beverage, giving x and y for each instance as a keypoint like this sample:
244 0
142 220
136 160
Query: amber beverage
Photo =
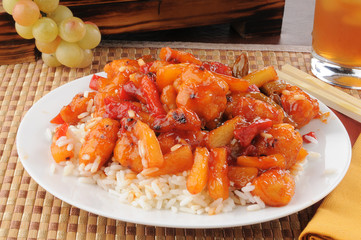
336 42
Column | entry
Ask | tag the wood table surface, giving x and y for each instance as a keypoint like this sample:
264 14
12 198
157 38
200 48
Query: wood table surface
28 211
296 30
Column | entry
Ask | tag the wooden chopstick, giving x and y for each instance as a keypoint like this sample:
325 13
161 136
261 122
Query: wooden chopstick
297 73
329 95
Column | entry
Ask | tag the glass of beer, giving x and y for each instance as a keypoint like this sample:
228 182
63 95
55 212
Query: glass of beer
336 42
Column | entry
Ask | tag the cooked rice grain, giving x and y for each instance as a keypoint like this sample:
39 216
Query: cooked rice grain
163 192
68 170
86 180
48 134
52 168
83 115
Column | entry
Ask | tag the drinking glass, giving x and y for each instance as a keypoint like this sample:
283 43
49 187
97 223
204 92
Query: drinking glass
336 42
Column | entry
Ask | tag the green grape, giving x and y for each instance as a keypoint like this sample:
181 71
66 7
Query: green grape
60 13
92 36
50 60
26 12
8 5
48 47
72 29
87 59
47 6
45 30
69 54
24 31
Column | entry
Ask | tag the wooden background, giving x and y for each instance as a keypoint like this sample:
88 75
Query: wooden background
115 17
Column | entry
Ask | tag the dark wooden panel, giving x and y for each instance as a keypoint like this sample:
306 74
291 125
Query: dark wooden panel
265 22
114 17
92 2
13 48
169 14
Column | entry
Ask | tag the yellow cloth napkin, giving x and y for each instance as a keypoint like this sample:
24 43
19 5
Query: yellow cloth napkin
339 215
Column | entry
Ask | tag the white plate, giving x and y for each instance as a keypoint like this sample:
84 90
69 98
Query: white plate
319 177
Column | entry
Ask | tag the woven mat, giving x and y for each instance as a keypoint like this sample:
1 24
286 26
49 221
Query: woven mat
27 211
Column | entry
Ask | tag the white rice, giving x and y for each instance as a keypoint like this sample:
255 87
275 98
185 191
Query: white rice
69 147
329 171
164 192
62 141
81 167
86 180
90 105
83 115
95 165
62 163
122 68
174 209
167 192
88 167
266 136
175 147
311 139
141 62
248 188
259 202
234 141
49 134
91 123
313 155
131 113
52 168
253 207
68 170
299 97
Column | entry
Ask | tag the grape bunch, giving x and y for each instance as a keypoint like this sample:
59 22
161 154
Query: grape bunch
61 38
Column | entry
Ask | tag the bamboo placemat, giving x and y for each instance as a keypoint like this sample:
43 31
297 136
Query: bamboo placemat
27 211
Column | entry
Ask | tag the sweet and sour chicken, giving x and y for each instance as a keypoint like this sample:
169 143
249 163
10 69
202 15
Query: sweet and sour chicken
179 114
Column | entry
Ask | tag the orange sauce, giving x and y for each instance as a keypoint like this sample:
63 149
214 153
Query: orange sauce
323 116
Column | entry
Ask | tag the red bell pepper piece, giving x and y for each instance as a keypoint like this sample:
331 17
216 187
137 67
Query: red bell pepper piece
95 82
129 91
61 131
307 136
151 95
57 119
123 94
118 110
145 68
246 133
218 68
